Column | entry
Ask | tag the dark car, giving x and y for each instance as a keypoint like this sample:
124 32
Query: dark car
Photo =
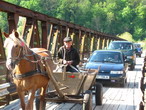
113 68
127 48
138 49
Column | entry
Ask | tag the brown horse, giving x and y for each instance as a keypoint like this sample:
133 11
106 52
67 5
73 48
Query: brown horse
27 68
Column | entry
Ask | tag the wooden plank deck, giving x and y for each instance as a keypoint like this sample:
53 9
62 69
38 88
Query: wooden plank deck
114 97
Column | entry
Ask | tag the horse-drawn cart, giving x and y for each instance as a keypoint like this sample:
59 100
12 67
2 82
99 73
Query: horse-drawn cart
75 87
27 65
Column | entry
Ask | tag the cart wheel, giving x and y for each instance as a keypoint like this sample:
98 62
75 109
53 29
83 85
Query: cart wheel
87 103
98 93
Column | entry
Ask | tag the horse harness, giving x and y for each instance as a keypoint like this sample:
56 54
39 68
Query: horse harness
37 71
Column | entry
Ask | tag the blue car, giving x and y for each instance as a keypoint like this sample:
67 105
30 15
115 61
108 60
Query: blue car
113 66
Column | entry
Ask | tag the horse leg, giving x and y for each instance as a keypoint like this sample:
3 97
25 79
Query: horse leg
31 97
37 100
42 98
22 102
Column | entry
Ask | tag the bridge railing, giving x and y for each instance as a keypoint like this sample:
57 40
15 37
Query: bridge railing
143 84
40 30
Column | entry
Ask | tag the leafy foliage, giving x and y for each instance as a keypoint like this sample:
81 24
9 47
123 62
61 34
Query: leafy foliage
109 16
127 36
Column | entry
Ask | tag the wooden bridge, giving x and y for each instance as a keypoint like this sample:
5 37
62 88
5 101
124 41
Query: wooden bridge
40 30
130 97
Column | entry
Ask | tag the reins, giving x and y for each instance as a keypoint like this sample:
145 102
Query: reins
30 73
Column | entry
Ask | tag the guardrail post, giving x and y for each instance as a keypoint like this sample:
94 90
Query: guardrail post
27 31
100 43
44 27
31 33
95 46
76 40
2 52
92 47
105 42
87 45
35 35
83 36
50 37
13 21
54 40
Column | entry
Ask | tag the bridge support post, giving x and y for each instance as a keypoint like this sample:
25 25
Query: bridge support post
44 27
92 44
2 51
101 43
83 36
55 42
28 30
13 21
105 43
76 39
87 45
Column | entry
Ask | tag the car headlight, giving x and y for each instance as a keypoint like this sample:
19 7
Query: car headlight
116 72
130 57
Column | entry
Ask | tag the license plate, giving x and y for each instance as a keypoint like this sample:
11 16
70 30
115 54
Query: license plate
102 77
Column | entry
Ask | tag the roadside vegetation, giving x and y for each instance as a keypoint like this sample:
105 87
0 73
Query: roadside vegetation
127 36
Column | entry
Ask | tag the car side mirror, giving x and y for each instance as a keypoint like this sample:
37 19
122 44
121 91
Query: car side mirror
126 60
105 48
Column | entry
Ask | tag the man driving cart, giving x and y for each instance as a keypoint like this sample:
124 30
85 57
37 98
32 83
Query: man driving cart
68 55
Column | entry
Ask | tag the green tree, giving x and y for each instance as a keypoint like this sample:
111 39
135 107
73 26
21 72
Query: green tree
109 16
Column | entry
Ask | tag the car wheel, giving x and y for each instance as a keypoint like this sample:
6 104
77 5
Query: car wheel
98 93
132 67
124 81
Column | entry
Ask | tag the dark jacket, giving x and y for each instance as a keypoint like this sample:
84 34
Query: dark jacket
70 55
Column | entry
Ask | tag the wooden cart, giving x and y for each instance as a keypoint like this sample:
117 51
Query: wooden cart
74 87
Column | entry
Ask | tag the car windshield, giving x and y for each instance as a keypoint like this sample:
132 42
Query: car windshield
121 46
110 57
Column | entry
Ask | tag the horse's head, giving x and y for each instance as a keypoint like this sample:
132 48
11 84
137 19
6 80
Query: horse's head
14 46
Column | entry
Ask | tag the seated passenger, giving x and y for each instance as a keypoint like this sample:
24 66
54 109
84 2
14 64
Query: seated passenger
117 58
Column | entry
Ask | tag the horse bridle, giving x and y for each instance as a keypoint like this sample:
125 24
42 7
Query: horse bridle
22 54
17 59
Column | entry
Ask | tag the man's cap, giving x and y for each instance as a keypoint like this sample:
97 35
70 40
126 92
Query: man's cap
67 39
